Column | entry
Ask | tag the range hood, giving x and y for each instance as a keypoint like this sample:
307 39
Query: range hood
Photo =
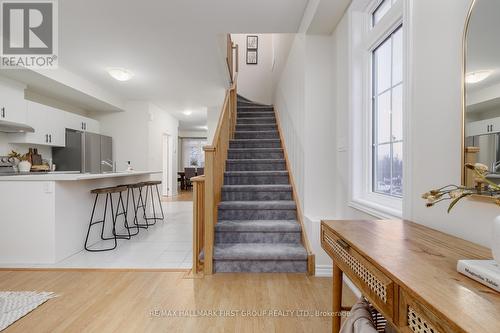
12 127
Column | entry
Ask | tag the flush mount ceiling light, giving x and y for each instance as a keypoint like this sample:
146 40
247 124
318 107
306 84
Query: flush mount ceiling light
187 112
476 77
120 74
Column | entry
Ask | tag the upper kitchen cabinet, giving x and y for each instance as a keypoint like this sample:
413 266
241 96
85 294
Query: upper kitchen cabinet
80 123
48 124
12 102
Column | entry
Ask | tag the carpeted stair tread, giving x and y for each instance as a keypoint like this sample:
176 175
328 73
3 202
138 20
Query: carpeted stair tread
258 205
255 160
265 188
257 150
259 251
255 114
257 173
257 226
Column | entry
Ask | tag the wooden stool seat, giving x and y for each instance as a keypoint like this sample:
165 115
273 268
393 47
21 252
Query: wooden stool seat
113 189
152 182
132 185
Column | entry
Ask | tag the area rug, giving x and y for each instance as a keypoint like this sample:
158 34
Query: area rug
16 304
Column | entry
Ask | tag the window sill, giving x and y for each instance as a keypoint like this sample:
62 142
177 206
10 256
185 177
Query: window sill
376 209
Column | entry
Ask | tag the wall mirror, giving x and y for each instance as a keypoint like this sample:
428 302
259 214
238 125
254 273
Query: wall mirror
481 116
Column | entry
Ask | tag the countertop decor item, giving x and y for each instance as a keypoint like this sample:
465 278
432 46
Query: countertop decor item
483 188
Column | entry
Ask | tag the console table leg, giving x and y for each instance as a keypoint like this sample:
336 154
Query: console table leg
337 298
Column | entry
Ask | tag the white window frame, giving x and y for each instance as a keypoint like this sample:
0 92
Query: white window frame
363 39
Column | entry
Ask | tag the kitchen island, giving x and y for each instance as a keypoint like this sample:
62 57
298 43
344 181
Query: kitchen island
44 218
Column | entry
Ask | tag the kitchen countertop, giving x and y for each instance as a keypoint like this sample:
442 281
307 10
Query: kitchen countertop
60 176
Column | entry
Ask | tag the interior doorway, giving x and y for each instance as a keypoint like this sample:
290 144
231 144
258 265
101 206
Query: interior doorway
167 165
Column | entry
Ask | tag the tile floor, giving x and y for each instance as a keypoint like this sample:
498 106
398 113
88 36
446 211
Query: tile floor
166 245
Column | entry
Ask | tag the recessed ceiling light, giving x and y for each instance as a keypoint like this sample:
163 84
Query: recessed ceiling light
120 74
187 112
203 127
475 77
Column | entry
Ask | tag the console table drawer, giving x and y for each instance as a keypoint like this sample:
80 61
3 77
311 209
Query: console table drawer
375 285
416 318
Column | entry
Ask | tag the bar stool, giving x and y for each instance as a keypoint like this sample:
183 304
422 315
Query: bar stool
130 189
108 191
143 203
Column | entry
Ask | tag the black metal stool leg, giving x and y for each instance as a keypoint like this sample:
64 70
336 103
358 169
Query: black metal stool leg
159 202
126 213
136 209
103 221
117 214
141 204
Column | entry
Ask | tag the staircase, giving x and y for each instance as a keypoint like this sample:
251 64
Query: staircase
257 228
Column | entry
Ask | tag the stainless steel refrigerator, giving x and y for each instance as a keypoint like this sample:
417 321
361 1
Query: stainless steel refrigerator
85 152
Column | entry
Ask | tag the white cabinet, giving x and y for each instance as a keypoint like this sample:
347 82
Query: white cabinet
480 127
48 125
12 103
80 123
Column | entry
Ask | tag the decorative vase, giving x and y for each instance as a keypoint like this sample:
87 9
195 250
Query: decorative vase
24 166
495 240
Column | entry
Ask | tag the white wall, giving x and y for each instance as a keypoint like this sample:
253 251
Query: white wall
161 123
138 137
436 119
317 129
130 132
255 81
310 108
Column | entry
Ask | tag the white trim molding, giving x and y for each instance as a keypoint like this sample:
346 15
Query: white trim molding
363 39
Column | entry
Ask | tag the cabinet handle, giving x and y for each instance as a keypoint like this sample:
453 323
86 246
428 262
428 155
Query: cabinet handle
85 125
46 138
3 112
50 138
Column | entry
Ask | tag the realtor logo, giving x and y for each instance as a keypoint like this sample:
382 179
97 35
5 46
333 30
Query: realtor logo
29 34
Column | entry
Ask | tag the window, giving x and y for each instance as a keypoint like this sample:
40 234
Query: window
381 10
387 116
192 152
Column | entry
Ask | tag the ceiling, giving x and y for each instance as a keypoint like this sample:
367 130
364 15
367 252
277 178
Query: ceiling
171 46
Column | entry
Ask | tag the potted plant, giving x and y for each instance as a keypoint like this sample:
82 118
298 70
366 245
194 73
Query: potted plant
14 159
24 164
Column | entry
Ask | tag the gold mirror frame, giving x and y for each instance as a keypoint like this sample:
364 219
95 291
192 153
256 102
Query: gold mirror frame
465 158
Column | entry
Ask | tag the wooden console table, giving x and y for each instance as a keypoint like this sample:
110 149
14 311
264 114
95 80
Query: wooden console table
408 272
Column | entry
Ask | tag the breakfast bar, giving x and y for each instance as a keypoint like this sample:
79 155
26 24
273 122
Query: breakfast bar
45 216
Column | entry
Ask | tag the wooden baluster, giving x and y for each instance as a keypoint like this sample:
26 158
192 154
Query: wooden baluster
210 207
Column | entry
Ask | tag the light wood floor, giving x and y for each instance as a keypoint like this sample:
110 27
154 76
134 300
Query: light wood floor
121 301
182 196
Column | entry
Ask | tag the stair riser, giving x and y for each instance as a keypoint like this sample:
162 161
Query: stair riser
243 114
256 195
257 237
278 166
256 127
234 155
253 121
256 135
260 266
254 214
255 180
255 144
244 108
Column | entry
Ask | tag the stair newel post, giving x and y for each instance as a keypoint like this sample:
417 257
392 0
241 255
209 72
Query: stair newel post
210 207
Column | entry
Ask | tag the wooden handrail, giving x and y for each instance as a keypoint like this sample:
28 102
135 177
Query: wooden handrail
207 189
232 58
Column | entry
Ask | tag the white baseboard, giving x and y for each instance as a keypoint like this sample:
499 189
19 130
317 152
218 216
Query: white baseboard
327 271
324 270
